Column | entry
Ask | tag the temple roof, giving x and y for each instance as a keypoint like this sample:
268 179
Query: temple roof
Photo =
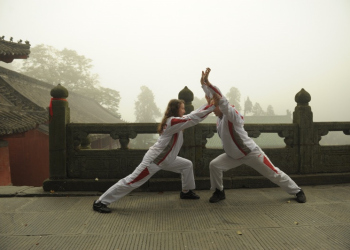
14 121
24 104
10 50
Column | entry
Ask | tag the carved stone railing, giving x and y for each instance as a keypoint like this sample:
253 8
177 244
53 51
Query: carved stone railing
335 158
114 163
75 166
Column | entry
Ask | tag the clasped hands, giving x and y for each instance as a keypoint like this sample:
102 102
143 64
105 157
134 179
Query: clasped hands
205 81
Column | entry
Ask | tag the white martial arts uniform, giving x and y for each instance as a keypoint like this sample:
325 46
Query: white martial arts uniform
162 156
241 149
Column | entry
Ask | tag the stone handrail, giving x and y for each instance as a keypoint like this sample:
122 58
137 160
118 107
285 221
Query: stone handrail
323 128
74 166
119 131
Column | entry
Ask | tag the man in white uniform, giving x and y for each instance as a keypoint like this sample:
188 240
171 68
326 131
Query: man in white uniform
240 149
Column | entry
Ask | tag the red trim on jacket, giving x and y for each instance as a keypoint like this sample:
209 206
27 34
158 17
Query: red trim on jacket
175 140
230 128
177 121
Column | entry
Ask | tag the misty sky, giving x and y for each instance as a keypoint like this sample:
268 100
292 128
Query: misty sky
268 49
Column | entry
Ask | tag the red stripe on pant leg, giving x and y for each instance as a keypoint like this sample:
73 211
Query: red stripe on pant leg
269 164
142 175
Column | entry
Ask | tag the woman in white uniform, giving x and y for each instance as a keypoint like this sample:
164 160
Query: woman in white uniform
240 149
161 156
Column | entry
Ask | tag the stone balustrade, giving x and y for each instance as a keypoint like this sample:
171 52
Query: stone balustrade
74 166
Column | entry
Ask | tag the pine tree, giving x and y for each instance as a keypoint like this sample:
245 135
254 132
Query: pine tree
248 106
234 98
146 110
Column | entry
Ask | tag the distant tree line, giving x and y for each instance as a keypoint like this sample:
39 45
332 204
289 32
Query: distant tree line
73 71
234 97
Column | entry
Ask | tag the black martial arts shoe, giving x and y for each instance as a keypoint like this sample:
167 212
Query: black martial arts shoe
101 208
301 198
217 196
189 195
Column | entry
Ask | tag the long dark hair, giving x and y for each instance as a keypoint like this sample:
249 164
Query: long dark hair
171 110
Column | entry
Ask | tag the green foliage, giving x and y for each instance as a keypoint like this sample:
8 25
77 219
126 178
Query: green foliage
234 98
257 110
270 110
197 102
72 71
106 97
146 109
248 106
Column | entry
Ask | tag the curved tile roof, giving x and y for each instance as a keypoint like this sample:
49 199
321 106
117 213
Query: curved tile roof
10 50
14 121
24 101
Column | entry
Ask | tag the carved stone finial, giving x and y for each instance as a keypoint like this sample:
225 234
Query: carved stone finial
302 97
186 95
59 92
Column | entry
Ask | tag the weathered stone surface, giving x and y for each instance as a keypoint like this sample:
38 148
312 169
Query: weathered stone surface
73 166
60 117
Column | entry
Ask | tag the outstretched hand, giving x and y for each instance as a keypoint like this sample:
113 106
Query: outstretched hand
205 81
202 78
206 75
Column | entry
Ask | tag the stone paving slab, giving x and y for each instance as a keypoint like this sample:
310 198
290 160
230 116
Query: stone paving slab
248 219
296 238
9 191
29 191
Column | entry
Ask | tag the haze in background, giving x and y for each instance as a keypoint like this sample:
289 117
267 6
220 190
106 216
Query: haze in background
269 50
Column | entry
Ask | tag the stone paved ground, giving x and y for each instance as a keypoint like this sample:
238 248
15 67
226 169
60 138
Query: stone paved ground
248 219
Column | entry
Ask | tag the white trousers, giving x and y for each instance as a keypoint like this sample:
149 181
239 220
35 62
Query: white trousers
258 161
143 173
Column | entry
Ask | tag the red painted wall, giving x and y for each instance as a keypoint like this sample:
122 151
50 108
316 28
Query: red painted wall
29 158
5 173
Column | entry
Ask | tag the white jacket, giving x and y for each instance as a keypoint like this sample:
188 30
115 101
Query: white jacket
230 127
169 143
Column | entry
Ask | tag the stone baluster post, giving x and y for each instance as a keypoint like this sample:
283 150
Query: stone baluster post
303 116
188 147
59 118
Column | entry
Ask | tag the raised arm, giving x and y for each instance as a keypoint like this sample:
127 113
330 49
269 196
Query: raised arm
208 95
209 87
220 100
